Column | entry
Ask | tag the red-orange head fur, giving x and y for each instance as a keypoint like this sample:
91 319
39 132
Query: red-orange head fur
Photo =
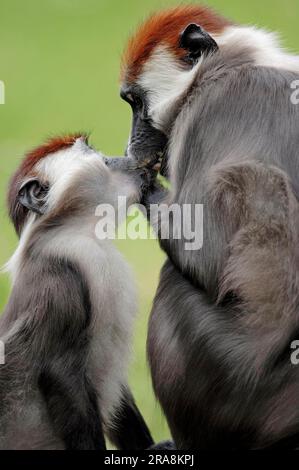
26 169
164 28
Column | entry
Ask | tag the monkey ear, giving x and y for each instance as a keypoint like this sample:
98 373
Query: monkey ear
32 195
197 42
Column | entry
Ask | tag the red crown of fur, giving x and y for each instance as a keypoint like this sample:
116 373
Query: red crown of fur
164 28
16 211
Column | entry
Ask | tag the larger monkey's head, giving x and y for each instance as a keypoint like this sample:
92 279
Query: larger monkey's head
163 57
158 66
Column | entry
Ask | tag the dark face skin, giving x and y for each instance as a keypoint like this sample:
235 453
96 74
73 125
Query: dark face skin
147 144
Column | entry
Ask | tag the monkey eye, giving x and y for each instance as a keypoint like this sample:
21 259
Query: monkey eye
126 97
130 98
133 99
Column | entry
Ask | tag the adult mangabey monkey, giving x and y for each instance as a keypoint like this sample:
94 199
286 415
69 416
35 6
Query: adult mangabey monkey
68 323
224 316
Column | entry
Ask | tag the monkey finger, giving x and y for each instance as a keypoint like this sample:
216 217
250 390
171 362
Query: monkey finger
157 166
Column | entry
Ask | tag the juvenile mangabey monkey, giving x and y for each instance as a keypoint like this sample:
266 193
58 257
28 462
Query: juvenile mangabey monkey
68 323
224 316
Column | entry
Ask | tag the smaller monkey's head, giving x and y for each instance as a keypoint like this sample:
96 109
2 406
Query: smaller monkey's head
159 65
66 178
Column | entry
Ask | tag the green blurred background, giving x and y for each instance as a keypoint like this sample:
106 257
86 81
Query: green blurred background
59 60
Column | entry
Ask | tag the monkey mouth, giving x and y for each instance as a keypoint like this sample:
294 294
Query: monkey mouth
151 162
158 164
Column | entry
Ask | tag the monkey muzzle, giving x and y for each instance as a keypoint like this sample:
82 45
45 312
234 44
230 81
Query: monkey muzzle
127 164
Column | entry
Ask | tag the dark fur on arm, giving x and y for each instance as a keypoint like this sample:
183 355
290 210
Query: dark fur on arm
129 431
73 412
156 194
63 381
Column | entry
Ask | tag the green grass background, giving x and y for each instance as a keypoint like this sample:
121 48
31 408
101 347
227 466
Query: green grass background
59 60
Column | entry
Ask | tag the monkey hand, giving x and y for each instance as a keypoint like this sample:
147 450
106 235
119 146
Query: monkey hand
156 194
144 174
147 179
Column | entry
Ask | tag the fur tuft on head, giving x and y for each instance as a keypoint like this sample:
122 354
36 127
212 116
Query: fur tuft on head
164 28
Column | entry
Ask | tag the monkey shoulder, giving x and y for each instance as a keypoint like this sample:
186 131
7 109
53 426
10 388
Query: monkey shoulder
261 122
227 81
49 289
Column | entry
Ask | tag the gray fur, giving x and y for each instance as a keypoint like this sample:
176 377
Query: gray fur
68 324
224 317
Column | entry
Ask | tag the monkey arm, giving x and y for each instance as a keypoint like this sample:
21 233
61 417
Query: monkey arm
156 194
69 395
129 431
72 407
212 311
187 341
